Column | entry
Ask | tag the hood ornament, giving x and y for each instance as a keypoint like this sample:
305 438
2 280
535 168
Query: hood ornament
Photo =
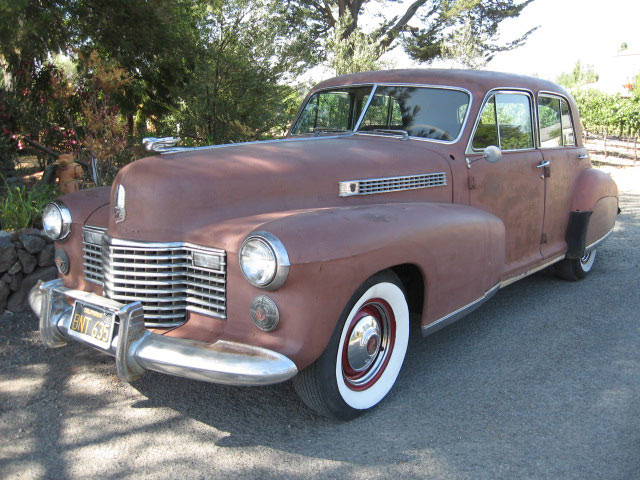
161 145
119 211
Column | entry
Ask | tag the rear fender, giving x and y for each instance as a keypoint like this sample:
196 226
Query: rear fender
593 211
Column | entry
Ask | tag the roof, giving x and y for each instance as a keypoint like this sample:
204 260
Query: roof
473 80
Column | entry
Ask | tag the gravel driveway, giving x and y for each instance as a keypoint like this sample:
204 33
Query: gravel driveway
541 382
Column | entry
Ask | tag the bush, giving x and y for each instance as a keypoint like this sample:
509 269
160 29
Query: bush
21 207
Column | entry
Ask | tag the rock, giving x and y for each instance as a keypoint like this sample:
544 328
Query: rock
28 262
15 268
18 301
16 281
32 243
46 256
4 293
6 278
8 254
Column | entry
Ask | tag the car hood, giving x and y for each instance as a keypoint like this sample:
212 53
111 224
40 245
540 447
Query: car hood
173 193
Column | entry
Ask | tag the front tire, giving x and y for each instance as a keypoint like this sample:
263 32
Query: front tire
365 353
574 269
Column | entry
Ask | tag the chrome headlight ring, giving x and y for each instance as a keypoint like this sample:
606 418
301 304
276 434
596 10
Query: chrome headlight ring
275 279
56 220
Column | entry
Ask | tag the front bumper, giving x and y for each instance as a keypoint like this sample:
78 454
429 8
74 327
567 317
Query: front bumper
136 349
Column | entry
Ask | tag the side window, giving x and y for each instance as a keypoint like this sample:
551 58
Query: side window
505 121
549 120
487 130
514 121
568 136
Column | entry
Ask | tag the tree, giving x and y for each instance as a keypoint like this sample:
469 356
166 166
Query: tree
579 76
427 29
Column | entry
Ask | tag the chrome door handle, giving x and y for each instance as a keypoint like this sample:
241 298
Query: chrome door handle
546 163
582 156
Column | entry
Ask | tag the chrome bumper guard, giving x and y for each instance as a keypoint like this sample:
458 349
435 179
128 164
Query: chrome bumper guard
136 349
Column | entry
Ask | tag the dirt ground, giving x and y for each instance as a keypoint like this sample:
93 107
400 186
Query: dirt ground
540 383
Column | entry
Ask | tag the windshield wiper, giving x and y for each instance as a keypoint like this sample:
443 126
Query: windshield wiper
318 130
388 131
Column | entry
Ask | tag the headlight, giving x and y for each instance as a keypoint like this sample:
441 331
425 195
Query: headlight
264 261
56 220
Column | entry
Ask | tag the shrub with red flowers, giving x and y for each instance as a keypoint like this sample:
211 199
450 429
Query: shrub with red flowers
66 114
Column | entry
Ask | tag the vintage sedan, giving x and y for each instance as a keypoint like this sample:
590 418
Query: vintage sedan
396 195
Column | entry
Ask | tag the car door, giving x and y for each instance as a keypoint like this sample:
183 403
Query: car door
511 188
565 159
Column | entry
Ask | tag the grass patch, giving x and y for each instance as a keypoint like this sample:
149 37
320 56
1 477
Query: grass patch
21 206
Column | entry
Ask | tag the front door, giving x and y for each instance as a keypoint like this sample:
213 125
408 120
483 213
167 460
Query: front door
513 188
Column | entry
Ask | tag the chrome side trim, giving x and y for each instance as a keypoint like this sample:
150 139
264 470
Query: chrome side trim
371 186
599 241
511 280
137 349
459 313
225 145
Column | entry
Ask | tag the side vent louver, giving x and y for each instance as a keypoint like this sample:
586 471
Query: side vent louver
391 184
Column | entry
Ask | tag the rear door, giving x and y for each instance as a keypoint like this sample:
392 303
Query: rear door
558 147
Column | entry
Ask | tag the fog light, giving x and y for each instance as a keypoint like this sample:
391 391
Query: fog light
62 261
264 313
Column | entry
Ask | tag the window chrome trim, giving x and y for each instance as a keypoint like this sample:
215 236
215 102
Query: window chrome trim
365 108
534 118
253 142
547 93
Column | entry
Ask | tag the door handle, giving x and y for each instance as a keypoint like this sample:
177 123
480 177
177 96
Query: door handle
545 163
582 156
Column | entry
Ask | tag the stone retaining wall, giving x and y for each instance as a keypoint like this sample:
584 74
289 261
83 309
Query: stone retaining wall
25 257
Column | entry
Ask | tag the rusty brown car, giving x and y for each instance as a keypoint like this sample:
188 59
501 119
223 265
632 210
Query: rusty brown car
401 192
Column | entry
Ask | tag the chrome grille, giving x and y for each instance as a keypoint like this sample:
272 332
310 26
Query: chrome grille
163 277
92 247
391 184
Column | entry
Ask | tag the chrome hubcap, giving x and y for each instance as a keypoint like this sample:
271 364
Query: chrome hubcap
364 343
368 345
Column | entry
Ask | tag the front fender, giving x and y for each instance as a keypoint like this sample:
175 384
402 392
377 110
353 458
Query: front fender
458 249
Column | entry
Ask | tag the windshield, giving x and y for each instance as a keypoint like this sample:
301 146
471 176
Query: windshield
427 112
335 110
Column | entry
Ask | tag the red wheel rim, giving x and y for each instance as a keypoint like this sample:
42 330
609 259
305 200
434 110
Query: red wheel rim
382 312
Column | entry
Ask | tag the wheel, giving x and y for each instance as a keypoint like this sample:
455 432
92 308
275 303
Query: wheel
365 352
574 269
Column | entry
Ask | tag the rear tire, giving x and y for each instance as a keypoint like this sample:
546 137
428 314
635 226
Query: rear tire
365 353
574 269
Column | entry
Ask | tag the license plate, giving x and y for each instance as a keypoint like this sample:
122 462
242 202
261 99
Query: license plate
92 324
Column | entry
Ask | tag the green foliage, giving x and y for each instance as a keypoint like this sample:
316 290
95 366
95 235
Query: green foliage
440 26
352 53
21 207
579 76
609 114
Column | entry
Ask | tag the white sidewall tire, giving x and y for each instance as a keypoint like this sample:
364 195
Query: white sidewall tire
588 265
364 399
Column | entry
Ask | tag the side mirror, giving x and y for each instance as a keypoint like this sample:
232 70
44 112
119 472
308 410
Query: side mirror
492 154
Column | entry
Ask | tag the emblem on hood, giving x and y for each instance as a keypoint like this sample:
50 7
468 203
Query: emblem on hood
119 212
